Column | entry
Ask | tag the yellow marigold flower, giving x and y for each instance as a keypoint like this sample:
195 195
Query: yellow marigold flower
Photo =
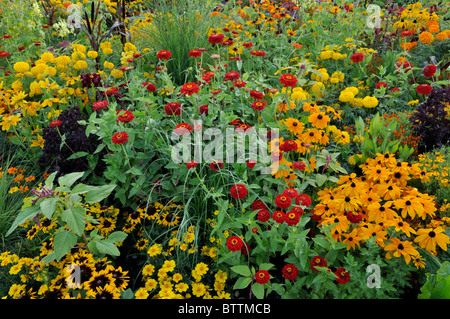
108 65
21 67
325 55
346 96
442 35
426 37
92 54
117 74
47 57
80 65
370 102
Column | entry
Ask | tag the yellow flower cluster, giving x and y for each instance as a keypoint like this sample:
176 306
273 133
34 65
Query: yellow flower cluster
368 206
165 283
100 280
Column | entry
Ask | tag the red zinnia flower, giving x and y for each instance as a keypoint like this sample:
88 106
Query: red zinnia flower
343 276
279 216
257 53
263 215
291 192
406 33
318 261
191 164
243 128
195 53
97 106
216 165
21 48
3 54
125 116
151 87
164 55
380 84
258 204
204 109
303 200
55 123
429 70
283 201
189 88
247 44
251 163
239 84
262 277
299 165
357 57
7 36
173 108
354 217
256 95
289 272
120 138
288 145
424 89
288 80
292 217
216 38
183 128
232 75
245 250
258 105
238 191
235 122
234 243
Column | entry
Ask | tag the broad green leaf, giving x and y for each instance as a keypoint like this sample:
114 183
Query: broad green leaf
117 237
69 179
97 194
75 217
321 179
24 215
258 290
266 266
242 270
63 243
107 247
50 179
242 283
81 189
48 206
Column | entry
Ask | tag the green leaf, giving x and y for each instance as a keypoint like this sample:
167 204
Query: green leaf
69 179
97 194
117 237
242 270
75 217
77 155
63 243
258 290
80 189
107 247
266 266
48 206
321 179
24 215
50 179
242 283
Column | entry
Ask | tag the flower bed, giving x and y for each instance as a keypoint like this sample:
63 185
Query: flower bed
244 149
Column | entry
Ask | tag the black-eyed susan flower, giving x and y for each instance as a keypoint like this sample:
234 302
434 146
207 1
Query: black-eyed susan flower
398 248
430 238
